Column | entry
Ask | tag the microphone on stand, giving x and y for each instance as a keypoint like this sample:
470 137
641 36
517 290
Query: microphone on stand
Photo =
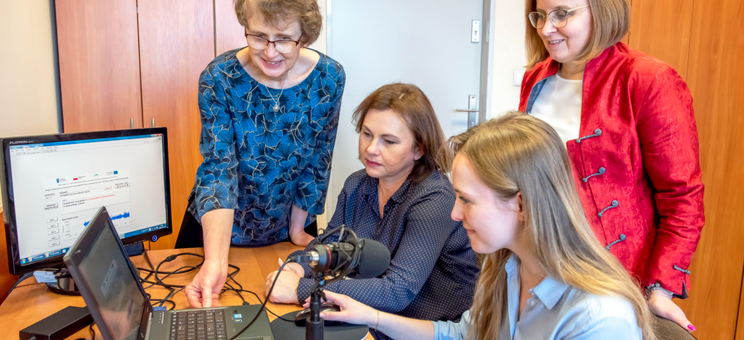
372 260
351 257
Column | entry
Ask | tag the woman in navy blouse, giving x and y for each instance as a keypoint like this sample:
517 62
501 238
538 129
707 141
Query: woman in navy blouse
402 198
269 115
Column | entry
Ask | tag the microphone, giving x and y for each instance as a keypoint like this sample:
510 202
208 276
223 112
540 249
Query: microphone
373 258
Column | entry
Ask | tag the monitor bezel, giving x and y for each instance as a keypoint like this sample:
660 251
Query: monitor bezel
9 212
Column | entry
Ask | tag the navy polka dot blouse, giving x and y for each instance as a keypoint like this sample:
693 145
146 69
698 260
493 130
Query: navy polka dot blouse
432 271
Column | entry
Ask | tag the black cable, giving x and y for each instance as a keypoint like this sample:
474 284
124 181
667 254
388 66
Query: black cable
263 305
21 279
92 333
156 273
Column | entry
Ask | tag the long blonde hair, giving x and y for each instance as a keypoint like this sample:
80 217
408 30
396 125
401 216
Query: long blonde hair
517 153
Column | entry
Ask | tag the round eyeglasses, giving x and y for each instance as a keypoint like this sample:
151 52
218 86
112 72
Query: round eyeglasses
282 45
558 17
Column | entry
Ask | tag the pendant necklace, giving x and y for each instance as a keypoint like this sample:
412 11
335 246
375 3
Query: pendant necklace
276 101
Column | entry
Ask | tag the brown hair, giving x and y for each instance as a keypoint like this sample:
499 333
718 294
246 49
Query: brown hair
610 22
277 12
518 153
414 107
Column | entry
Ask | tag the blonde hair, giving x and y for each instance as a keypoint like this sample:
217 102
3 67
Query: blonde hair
610 23
517 153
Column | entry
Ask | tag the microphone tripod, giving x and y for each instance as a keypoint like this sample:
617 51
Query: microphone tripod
314 326
331 262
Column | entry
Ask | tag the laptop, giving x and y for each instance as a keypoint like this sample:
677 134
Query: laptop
110 286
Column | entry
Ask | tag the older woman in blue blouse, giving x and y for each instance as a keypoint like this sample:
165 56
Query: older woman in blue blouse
402 198
269 115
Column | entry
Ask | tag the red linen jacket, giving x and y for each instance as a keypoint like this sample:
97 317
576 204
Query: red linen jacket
636 162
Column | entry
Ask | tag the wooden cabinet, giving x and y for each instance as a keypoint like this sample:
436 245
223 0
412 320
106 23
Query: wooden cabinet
6 278
98 64
127 61
230 34
176 43
701 41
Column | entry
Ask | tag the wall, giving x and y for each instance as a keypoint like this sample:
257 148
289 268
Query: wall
28 92
506 35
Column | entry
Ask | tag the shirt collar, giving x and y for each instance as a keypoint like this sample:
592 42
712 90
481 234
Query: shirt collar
549 291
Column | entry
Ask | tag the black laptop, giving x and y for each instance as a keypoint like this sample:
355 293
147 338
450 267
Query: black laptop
111 288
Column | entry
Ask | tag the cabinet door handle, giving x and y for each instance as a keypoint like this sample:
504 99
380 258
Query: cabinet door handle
131 123
153 122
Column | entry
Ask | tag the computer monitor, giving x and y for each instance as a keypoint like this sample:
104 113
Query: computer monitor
53 185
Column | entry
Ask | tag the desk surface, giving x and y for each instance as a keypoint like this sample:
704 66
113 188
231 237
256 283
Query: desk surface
31 302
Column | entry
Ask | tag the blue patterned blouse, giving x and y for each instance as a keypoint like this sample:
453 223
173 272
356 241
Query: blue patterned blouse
260 162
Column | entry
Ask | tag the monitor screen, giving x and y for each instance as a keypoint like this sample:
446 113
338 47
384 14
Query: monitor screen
53 186
112 288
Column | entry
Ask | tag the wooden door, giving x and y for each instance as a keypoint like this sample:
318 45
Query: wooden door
176 44
701 41
661 28
98 64
716 78
229 33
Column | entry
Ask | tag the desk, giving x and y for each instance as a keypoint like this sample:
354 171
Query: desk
31 302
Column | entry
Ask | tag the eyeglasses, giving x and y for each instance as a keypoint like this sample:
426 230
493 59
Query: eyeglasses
558 17
283 45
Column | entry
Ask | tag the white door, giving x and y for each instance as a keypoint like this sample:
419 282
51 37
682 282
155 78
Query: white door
424 42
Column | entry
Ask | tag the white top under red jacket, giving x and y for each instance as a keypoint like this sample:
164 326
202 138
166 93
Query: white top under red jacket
636 162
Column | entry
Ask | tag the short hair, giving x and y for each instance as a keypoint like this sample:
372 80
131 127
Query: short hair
414 107
610 23
277 12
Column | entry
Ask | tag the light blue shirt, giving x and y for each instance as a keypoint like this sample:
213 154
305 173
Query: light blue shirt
555 311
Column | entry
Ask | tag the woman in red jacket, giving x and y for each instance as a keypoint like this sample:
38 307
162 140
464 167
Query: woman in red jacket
628 123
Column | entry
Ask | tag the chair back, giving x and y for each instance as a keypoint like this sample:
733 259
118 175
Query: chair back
666 329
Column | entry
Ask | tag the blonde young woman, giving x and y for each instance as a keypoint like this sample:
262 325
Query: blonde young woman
546 276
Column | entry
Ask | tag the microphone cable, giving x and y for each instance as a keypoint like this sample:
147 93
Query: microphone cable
263 305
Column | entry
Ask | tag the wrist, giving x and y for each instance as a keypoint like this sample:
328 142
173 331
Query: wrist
215 262
374 318
656 290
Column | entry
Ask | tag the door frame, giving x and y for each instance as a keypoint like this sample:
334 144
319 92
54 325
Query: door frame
485 86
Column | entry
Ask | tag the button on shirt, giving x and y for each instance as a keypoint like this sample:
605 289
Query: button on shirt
555 311
432 270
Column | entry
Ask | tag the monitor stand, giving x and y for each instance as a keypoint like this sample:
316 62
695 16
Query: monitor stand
135 249
65 285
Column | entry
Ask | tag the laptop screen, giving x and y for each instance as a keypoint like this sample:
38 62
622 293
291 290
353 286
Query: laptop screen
112 285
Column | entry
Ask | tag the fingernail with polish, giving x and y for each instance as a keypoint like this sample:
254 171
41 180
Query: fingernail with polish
691 327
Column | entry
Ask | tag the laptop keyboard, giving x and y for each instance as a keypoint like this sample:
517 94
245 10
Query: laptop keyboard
198 325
